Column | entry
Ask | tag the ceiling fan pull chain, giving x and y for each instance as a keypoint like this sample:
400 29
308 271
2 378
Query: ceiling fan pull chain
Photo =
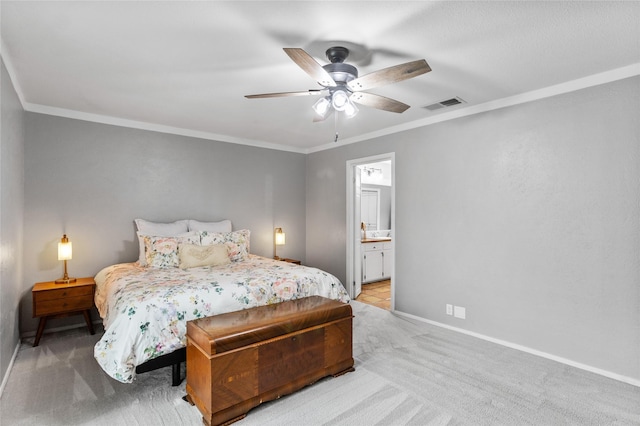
335 126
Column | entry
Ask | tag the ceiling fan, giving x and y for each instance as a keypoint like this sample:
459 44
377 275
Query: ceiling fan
343 88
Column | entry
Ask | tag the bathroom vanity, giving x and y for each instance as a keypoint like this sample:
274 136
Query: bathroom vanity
377 258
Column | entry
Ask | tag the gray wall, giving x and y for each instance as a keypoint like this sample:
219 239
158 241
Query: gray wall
528 217
11 216
91 181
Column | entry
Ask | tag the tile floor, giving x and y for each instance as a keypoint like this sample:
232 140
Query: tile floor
376 294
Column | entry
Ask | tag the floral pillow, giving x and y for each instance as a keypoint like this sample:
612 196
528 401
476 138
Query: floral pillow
142 258
237 242
193 256
162 252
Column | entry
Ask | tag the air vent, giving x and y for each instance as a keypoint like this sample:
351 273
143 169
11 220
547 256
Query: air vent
444 104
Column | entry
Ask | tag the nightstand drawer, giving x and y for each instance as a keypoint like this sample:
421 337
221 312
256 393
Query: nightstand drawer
66 304
63 293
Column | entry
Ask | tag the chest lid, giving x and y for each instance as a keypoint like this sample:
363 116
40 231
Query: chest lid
225 332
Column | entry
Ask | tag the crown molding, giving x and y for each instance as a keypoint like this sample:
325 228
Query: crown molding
558 89
547 92
11 71
141 125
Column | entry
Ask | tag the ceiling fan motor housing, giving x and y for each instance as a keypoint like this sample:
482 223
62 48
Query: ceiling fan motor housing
341 73
337 54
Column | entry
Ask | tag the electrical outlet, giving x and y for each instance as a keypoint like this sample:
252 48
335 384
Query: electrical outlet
459 312
449 309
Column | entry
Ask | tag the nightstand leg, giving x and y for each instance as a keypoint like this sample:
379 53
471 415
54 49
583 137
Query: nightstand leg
87 319
41 324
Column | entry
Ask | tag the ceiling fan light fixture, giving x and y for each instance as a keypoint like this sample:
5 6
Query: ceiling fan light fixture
322 106
344 85
339 100
350 109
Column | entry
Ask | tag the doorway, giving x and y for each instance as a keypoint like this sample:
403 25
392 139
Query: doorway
373 177
377 294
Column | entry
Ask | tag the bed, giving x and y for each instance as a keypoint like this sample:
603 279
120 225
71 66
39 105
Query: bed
145 307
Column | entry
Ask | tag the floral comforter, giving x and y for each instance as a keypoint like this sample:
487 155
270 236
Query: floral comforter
145 310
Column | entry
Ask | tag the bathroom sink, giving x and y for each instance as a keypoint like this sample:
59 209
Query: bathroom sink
375 239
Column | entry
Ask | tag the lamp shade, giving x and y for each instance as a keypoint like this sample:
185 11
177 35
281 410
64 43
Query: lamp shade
280 237
350 109
65 251
339 100
322 106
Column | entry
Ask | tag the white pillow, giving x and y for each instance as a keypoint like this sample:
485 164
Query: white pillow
146 227
162 229
222 226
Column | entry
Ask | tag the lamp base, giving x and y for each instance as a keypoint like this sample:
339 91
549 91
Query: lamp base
65 280
276 257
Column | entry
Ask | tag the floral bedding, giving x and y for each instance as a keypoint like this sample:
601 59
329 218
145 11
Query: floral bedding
145 310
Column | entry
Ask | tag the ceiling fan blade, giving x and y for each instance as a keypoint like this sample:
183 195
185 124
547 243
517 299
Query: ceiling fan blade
390 75
283 94
379 102
310 66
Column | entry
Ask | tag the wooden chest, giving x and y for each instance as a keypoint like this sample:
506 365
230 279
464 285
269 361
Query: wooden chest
238 360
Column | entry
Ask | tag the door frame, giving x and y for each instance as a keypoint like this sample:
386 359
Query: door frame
353 249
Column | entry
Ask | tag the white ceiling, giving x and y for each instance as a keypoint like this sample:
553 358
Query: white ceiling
184 67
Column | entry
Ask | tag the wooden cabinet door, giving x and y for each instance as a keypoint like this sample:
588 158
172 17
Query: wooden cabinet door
387 263
372 265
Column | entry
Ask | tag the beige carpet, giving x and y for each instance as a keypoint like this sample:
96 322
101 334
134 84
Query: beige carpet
406 374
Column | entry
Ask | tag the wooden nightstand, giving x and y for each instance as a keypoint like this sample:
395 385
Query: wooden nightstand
52 300
297 262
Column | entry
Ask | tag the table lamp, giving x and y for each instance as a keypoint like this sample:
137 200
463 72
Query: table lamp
278 240
65 252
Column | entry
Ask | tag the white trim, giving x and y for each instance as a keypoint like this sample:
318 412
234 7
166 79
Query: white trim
351 165
33 333
115 121
11 71
121 122
558 89
547 92
9 368
62 328
589 368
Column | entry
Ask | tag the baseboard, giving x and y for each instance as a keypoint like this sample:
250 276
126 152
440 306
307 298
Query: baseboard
7 373
589 368
63 328
32 334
